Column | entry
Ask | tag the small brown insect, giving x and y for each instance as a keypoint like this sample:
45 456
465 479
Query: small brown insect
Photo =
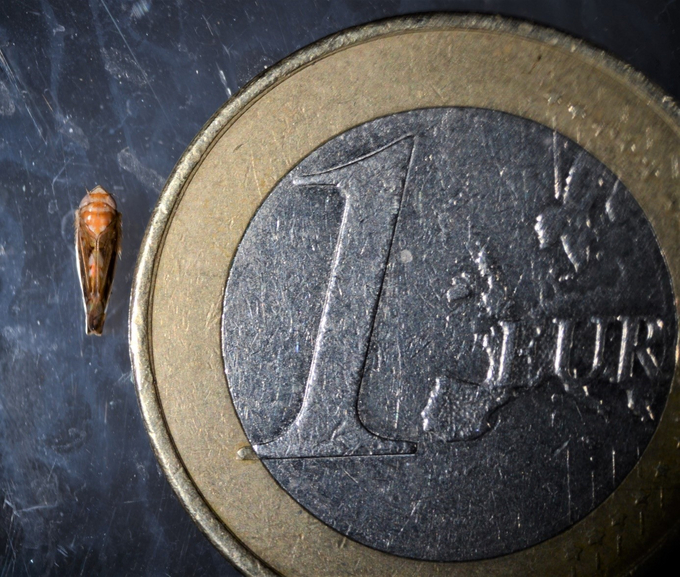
98 241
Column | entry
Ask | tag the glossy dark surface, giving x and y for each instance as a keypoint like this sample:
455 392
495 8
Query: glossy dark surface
111 92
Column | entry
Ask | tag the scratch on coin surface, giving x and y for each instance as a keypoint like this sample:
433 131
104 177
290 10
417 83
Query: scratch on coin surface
255 176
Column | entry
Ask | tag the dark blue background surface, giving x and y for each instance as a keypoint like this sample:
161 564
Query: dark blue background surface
111 92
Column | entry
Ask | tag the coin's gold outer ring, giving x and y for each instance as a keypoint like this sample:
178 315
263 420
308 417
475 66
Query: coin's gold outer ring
251 143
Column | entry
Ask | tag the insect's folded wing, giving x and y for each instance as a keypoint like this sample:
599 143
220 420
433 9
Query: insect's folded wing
109 248
85 245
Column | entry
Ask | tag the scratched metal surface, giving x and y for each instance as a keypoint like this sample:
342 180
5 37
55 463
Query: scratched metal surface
112 92
467 444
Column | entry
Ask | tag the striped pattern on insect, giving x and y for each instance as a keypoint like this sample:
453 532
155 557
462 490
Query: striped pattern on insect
98 242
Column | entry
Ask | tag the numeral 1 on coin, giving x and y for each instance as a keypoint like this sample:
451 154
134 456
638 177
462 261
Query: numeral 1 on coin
328 423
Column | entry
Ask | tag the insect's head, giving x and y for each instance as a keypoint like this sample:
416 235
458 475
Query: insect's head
98 194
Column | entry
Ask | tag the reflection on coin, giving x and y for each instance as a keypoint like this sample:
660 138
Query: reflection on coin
407 307
531 323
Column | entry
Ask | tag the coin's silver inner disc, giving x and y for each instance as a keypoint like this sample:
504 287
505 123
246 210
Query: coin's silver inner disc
448 333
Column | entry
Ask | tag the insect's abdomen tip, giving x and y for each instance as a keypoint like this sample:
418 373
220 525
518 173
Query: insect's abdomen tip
95 320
